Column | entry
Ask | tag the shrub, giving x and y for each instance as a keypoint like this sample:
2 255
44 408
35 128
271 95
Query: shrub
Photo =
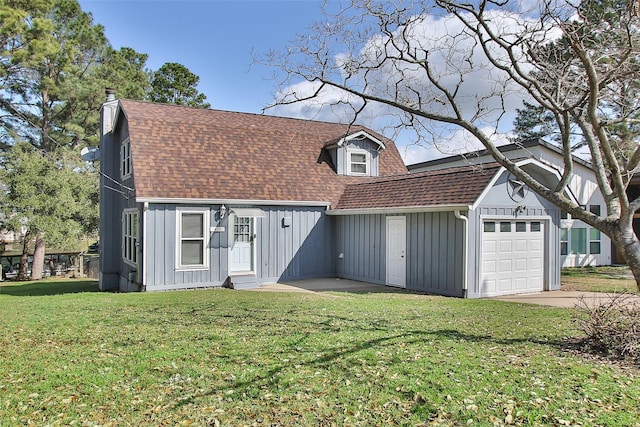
611 326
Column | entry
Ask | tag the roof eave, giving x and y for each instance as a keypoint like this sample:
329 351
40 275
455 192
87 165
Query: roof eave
401 209
359 134
197 201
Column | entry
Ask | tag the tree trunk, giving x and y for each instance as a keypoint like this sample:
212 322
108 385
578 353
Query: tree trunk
24 259
38 258
628 244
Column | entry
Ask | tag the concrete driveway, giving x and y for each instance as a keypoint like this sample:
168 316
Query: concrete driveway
550 298
564 298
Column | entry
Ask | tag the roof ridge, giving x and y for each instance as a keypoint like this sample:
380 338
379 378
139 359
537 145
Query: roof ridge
244 113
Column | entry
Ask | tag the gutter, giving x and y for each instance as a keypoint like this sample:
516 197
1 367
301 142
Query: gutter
465 282
196 201
398 209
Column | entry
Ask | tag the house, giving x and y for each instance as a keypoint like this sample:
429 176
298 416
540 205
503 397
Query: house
194 198
580 244
633 192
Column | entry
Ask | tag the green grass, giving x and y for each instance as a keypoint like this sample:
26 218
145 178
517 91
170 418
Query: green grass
598 279
232 358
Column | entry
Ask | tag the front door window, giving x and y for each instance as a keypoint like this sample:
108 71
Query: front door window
242 230
242 248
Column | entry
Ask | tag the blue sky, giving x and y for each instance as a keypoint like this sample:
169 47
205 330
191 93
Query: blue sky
215 39
212 38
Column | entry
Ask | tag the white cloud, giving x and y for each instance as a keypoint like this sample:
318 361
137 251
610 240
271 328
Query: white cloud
458 142
331 104
485 96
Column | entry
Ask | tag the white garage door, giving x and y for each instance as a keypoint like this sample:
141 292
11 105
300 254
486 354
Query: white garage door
512 257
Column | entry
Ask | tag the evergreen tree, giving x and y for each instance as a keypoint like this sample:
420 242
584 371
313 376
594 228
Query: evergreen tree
49 196
55 64
174 84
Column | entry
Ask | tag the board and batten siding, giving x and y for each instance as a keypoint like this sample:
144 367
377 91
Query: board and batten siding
115 197
435 253
361 247
341 160
296 248
301 250
435 250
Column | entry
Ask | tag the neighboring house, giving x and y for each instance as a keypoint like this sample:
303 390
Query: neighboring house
10 237
10 244
580 244
633 191
194 198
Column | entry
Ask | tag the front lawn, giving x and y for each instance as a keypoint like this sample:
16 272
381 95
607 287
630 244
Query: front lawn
598 279
232 358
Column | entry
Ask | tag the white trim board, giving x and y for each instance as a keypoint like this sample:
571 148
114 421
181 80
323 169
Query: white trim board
195 201
401 209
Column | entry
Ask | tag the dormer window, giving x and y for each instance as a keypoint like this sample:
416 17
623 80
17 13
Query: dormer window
357 154
359 162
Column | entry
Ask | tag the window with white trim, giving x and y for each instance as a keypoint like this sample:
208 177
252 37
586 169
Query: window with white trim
192 230
130 236
125 158
564 241
594 241
576 241
359 162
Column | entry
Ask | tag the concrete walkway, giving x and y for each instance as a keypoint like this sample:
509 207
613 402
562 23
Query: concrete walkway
328 285
550 298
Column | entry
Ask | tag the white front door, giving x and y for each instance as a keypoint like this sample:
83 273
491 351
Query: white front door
242 245
396 251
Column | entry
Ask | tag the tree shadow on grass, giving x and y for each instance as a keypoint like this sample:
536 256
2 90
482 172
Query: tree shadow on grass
47 287
328 359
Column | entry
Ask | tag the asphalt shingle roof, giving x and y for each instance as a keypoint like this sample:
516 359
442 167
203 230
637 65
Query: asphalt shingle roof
181 152
453 186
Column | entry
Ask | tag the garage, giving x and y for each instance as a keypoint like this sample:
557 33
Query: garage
512 257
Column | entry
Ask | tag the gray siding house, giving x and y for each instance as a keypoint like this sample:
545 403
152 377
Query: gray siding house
194 198
580 244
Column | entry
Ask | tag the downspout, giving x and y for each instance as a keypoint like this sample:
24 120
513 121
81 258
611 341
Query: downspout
143 233
465 283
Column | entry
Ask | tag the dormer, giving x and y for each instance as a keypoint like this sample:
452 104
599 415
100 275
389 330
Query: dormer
356 154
